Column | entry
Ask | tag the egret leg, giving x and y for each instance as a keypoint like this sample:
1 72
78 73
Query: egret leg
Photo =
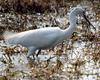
39 51
31 50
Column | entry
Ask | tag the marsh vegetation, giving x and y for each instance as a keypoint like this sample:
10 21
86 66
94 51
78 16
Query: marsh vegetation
75 59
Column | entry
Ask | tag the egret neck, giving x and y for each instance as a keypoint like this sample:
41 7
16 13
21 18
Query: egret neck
72 20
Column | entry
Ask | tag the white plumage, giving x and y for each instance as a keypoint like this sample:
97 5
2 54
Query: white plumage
44 38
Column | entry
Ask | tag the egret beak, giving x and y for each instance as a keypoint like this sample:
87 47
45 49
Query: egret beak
89 22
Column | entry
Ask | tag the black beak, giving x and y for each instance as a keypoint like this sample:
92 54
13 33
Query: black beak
89 22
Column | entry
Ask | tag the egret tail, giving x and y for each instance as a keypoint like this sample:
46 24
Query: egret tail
10 37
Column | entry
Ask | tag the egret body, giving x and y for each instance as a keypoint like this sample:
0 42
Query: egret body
44 38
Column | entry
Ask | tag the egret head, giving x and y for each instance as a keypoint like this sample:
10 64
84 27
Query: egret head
81 12
78 11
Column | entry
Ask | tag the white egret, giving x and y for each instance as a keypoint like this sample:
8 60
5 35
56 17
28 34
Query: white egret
44 38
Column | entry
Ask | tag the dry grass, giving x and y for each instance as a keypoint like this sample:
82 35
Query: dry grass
33 6
28 5
46 70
